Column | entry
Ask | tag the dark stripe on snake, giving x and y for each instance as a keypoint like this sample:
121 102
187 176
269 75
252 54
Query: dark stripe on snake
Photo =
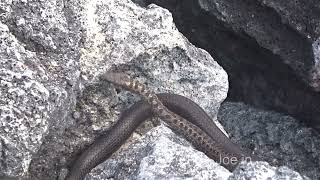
176 122
199 130
131 118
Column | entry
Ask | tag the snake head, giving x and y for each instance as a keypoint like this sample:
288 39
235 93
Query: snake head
116 78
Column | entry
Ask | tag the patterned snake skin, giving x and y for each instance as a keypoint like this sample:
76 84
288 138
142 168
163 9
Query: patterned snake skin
181 114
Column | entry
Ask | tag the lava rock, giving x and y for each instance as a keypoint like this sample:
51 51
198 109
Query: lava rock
31 96
262 170
274 137
270 49
286 28
52 104
160 154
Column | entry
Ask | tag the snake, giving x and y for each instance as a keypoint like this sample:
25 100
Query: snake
181 114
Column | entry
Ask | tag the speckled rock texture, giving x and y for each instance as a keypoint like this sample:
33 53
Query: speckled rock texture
262 170
160 154
270 49
38 73
52 104
276 138
153 158
287 28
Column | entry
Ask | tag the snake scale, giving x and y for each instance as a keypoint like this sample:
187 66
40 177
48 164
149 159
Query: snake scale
181 114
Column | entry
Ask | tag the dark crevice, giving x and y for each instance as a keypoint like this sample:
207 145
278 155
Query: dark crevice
257 76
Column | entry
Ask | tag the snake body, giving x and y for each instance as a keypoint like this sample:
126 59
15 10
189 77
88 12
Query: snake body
212 146
108 143
181 114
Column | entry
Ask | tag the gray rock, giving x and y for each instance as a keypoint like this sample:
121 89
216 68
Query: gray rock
268 48
276 138
39 75
287 28
316 72
29 94
49 112
262 170
53 106
159 154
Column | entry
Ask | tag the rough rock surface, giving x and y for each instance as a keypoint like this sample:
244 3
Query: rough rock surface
286 28
160 154
270 49
53 106
262 170
277 138
38 70
49 112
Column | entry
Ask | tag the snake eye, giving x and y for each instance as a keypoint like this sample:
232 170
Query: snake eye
167 116
175 121
195 135
160 110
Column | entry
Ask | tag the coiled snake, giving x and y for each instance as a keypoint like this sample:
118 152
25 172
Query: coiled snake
181 114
